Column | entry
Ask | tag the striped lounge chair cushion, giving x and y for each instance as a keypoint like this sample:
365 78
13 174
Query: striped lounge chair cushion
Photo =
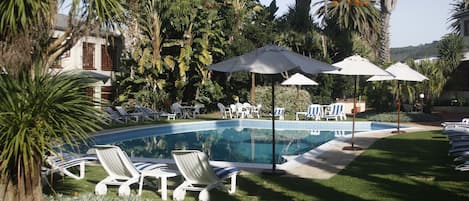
142 166
223 172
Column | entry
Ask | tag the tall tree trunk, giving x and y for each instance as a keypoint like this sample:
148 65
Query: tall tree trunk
253 88
22 186
384 52
386 8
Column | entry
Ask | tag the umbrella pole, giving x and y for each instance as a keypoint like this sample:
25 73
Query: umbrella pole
273 171
353 147
398 109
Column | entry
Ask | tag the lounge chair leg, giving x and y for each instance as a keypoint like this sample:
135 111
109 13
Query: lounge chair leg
124 190
82 170
100 189
233 185
179 193
204 195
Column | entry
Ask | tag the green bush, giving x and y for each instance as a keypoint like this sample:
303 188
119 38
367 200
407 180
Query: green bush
290 98
405 117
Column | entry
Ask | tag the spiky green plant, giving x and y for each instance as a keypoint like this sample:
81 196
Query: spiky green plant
35 115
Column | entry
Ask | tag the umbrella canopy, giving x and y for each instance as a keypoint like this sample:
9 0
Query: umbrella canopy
400 71
357 65
271 59
299 79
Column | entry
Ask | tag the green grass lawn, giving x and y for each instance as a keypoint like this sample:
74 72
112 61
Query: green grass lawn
412 166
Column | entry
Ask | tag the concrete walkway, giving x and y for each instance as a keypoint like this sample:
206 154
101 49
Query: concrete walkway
333 160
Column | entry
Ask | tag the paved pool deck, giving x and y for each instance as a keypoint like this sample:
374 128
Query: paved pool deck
334 159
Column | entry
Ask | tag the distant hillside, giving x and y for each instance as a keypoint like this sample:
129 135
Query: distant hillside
415 52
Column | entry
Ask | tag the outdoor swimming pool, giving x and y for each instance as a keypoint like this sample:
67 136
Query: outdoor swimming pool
245 141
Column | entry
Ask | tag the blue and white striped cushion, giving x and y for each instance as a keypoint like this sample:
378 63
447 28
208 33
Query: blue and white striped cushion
141 166
223 172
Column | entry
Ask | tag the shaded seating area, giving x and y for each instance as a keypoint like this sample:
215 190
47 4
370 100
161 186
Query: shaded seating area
200 176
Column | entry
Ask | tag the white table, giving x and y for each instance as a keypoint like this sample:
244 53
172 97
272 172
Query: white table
162 174
300 113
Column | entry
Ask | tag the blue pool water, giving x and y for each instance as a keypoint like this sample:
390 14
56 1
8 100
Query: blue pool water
247 141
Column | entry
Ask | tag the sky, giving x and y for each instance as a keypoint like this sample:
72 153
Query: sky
413 22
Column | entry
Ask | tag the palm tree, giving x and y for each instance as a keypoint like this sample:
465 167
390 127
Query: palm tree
357 16
39 110
386 8
458 7
36 115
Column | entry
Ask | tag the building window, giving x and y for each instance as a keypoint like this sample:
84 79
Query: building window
88 56
466 27
106 93
106 60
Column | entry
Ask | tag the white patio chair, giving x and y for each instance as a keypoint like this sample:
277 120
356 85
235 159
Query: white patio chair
224 111
63 162
257 110
121 171
197 108
240 111
200 176
176 109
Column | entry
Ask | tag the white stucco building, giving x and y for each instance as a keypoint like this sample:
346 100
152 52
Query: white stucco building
92 54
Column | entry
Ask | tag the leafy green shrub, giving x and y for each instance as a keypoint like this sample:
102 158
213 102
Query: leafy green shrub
288 97
405 117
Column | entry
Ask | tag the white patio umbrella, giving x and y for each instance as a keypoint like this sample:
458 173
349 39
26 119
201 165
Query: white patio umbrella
356 65
299 80
400 72
272 59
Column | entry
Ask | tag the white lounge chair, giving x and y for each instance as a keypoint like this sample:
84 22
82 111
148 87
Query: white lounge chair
451 124
280 113
148 113
114 115
124 113
122 172
314 111
200 176
336 111
63 162
224 111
